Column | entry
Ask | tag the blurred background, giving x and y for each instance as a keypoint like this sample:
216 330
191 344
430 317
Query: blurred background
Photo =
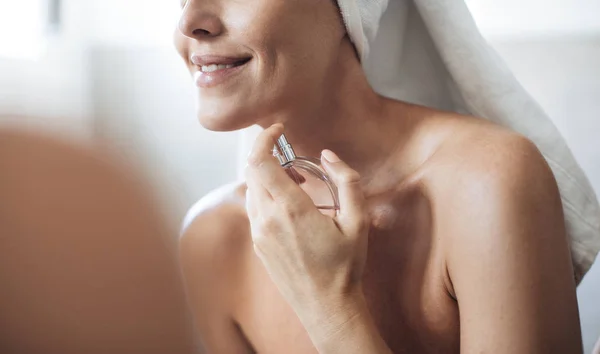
106 71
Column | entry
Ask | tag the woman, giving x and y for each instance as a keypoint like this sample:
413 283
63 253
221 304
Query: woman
467 249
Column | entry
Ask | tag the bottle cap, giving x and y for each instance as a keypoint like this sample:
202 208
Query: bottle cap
286 148
278 155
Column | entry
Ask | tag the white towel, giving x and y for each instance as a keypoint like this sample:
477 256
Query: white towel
430 52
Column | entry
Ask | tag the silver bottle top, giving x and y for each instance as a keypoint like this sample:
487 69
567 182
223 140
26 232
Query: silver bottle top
278 155
286 149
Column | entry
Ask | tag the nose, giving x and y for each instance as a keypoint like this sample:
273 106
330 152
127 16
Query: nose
198 21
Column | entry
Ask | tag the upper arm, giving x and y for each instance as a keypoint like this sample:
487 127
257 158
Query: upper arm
508 255
210 251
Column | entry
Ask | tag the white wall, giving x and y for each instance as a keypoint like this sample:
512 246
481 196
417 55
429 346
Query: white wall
50 85
535 18
51 90
140 22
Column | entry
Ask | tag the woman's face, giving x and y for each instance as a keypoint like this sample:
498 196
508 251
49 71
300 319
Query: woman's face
253 58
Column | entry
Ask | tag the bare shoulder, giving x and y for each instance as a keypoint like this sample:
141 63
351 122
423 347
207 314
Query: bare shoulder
215 229
227 200
479 160
482 176
499 219
491 187
213 246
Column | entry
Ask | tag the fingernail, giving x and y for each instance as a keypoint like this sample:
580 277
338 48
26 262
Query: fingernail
330 156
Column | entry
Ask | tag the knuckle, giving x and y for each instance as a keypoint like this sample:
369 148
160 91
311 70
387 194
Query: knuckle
261 226
258 234
254 161
258 238
292 213
292 209
268 223
350 177
261 233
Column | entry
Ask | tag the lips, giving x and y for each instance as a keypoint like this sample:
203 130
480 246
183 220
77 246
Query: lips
209 60
208 68
216 69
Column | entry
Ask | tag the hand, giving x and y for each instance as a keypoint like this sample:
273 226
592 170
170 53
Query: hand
309 256
316 261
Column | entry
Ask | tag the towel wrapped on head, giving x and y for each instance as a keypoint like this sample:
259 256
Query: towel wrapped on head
362 18
430 52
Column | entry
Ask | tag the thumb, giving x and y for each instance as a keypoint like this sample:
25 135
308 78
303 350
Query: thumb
347 180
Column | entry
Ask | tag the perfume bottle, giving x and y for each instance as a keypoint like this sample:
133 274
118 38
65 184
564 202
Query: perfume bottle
309 175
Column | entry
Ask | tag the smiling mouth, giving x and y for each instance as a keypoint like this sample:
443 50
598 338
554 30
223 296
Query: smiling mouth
211 68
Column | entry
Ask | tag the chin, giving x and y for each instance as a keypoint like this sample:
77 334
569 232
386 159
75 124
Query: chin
223 122
227 112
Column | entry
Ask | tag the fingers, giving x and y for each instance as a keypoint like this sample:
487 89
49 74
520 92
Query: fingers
257 197
347 180
267 169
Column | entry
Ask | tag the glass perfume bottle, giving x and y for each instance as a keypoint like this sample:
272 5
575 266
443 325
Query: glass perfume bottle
309 175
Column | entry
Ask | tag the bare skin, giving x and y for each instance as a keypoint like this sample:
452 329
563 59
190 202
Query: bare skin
87 264
434 244
462 214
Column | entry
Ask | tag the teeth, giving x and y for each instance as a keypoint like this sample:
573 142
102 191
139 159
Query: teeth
210 68
214 67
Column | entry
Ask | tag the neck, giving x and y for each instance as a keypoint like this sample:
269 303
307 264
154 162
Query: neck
347 117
